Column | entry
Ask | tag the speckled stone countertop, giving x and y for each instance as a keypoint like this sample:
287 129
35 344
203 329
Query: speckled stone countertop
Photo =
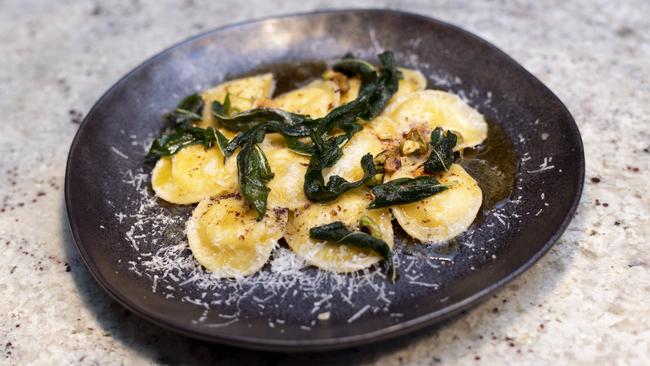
586 302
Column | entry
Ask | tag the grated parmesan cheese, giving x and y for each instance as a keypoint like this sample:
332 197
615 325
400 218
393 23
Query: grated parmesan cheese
156 234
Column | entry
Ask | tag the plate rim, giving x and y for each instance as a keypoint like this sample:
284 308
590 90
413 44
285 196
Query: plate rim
335 343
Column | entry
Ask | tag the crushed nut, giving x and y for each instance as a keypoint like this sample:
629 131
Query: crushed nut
413 143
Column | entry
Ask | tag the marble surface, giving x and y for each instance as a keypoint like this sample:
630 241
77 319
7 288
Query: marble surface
585 302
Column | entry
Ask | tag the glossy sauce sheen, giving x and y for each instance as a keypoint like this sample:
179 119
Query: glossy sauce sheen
494 166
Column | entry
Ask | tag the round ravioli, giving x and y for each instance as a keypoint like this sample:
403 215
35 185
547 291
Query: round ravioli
315 99
288 180
444 215
349 165
349 208
192 174
245 94
428 109
227 239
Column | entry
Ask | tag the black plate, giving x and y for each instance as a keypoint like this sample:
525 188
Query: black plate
118 226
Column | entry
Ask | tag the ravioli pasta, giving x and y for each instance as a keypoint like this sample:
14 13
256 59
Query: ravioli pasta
244 94
314 100
428 109
442 216
338 258
230 239
192 174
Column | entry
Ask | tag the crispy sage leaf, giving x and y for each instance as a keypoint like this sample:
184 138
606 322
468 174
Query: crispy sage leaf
171 143
254 172
227 105
337 233
442 151
336 185
183 133
405 190
290 123
386 86
297 146
187 112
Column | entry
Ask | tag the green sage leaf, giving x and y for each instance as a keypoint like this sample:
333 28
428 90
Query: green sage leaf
171 143
405 190
254 172
187 112
442 151
337 233
319 191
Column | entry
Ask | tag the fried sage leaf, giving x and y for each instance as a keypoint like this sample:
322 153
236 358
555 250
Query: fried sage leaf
405 190
187 112
374 93
183 133
442 151
337 233
336 185
298 147
171 143
386 86
222 142
290 123
254 172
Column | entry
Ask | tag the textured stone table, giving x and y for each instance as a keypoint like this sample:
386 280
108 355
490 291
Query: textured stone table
586 302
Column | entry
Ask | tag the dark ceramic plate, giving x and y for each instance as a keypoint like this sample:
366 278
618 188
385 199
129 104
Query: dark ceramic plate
134 244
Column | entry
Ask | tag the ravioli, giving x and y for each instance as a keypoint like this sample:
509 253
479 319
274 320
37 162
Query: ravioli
244 94
195 173
315 99
348 209
227 239
192 174
444 215
428 109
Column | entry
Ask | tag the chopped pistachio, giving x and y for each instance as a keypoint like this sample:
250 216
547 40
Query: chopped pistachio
413 143
380 158
408 147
